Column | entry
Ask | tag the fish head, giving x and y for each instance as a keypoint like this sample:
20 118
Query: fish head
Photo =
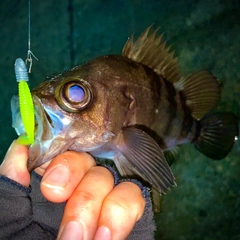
72 112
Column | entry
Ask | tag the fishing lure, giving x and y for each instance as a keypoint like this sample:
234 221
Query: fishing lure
25 103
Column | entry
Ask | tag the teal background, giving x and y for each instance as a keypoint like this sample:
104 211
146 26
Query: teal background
204 34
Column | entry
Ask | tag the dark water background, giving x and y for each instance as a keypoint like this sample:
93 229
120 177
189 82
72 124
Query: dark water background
204 34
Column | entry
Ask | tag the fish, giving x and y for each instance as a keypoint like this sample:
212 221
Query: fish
131 108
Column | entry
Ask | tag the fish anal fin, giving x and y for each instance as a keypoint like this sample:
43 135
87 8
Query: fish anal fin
201 92
170 154
150 50
217 134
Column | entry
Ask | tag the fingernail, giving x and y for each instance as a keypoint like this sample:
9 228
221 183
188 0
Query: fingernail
58 178
103 233
72 231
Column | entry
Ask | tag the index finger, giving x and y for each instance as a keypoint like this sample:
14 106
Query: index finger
64 173
14 165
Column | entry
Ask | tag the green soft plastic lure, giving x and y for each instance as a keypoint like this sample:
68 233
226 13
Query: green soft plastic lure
25 102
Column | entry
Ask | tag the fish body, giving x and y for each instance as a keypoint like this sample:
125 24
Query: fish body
130 108
141 102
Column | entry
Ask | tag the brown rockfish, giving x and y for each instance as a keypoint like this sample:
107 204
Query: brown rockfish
129 108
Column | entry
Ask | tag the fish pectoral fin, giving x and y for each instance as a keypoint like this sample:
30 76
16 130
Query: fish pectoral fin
124 166
201 92
127 170
145 157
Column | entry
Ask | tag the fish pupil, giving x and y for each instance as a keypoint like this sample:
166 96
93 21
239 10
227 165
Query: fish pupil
76 93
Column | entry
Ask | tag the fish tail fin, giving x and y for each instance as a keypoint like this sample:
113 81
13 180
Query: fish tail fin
216 134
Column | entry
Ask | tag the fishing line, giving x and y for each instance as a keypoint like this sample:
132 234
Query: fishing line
71 32
29 52
26 105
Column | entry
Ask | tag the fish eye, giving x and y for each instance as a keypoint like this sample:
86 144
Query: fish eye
74 95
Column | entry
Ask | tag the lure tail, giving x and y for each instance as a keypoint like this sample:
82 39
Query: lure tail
26 103
216 134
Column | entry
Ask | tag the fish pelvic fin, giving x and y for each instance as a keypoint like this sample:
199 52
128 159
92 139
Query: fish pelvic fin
216 134
200 92
151 50
156 200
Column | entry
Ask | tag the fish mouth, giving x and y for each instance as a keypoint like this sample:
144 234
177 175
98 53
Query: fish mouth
50 131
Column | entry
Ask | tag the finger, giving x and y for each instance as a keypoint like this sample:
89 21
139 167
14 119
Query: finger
42 169
84 206
14 165
63 175
122 208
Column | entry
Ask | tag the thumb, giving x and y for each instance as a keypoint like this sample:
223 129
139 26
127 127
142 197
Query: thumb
14 165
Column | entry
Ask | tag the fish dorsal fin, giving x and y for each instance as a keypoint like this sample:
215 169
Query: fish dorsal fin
201 92
151 50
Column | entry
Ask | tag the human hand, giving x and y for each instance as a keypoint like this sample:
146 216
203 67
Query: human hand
95 209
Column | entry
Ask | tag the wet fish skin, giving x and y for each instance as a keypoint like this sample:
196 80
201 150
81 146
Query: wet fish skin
113 108
119 102
138 104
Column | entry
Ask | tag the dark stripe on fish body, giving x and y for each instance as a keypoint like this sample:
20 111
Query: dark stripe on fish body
171 93
188 121
172 105
156 80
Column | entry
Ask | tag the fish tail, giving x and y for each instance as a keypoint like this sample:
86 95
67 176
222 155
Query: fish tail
216 134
